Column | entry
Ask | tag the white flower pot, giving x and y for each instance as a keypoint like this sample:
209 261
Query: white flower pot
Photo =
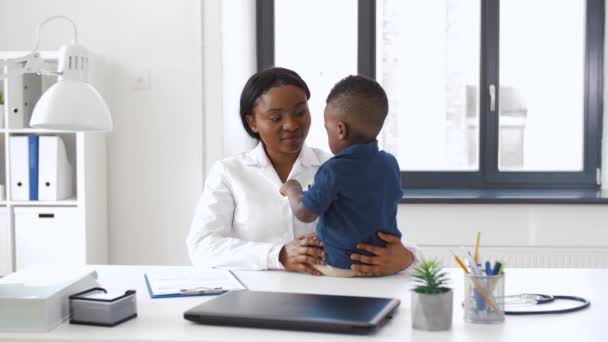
432 312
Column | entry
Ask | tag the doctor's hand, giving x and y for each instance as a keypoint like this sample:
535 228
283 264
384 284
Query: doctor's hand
298 255
385 260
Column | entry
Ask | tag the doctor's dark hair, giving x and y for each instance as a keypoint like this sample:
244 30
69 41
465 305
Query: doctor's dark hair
260 83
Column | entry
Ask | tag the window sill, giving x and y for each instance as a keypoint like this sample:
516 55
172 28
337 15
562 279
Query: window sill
513 196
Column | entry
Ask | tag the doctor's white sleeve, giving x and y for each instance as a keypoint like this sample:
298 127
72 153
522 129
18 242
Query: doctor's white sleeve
210 242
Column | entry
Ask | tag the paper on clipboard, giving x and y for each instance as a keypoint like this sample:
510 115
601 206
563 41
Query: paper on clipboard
171 282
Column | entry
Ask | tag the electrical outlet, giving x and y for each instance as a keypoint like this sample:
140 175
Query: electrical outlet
142 80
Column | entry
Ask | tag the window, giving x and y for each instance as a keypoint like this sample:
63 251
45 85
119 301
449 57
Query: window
428 63
483 94
321 51
537 132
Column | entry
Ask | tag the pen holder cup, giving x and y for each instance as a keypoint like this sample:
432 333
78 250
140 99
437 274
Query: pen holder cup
484 298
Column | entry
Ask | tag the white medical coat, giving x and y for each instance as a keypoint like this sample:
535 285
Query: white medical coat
241 220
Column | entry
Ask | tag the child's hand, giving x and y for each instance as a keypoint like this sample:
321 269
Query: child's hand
283 189
291 184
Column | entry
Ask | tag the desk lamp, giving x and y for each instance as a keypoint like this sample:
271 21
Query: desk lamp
72 103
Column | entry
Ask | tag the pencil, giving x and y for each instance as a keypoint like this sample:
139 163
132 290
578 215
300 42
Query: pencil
476 254
464 268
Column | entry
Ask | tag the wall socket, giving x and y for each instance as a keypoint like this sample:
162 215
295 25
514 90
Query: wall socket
142 80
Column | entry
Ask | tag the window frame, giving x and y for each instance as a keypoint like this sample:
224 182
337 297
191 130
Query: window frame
488 176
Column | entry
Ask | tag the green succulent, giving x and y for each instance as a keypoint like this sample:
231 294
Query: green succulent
1 97
430 278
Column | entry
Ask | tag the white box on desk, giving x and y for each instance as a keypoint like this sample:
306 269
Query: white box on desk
36 299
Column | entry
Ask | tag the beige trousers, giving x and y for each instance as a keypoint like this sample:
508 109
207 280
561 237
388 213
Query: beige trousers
334 271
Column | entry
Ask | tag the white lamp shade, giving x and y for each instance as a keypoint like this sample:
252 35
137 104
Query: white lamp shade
72 105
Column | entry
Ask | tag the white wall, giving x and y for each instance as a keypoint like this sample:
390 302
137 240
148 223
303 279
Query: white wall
162 144
154 153
213 139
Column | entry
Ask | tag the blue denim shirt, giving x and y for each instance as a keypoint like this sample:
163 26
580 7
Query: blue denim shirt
355 194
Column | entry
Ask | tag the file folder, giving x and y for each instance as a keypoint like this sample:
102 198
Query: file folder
33 166
32 91
20 181
14 102
55 174
188 281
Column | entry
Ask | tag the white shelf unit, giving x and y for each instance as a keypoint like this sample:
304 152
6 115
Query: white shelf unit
71 231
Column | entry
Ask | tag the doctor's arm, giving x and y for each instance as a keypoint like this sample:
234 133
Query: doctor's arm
210 242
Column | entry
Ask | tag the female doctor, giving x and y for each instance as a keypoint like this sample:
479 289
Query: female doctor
242 221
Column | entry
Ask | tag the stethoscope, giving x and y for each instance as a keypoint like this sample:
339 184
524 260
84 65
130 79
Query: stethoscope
539 299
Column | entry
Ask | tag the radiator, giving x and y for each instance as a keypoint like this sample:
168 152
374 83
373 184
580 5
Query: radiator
545 257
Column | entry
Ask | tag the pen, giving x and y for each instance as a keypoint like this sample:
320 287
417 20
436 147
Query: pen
199 291
501 270
489 269
476 253
497 268
472 264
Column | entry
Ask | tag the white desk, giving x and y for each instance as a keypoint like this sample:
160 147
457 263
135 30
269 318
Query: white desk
162 319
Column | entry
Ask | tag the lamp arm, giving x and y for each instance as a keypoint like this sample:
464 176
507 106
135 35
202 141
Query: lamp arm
49 19
30 63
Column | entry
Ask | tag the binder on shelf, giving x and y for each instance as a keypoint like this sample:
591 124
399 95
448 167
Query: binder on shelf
33 166
2 100
14 102
19 149
32 90
54 170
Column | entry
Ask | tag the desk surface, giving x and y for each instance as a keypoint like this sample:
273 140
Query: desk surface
162 319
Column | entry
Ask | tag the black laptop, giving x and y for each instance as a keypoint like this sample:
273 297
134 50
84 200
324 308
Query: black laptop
295 311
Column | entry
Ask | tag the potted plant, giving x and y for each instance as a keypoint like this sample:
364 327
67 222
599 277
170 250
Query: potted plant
431 298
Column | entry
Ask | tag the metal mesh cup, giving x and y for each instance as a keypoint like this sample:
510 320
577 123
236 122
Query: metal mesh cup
484 298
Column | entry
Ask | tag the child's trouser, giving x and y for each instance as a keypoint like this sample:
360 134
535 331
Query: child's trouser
334 271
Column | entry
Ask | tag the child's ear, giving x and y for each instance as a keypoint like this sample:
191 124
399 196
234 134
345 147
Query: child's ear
342 130
251 122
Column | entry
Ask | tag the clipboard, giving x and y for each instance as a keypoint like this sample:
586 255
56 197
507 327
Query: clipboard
189 282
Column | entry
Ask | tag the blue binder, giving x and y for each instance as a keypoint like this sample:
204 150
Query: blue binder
33 166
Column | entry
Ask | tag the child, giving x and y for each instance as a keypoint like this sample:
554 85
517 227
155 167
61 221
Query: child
355 193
